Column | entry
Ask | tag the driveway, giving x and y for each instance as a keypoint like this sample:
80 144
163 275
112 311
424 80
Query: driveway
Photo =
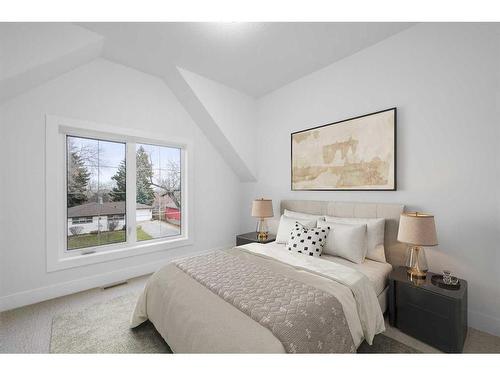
158 229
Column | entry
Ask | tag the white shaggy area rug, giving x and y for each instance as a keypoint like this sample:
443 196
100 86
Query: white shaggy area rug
104 328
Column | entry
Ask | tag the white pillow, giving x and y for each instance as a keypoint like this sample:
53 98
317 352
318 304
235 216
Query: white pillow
286 226
307 241
345 241
375 228
302 215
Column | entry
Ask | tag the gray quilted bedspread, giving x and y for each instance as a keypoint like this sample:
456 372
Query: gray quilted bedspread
304 318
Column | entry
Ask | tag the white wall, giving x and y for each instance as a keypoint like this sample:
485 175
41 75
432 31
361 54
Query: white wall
3 186
444 81
105 92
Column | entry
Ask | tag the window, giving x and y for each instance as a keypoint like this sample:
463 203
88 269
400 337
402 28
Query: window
158 191
96 192
116 217
113 193
95 189
81 220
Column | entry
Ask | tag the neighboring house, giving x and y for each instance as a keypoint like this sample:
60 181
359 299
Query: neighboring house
94 216
172 212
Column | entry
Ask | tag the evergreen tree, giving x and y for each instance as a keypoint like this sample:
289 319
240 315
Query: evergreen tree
144 176
117 194
78 178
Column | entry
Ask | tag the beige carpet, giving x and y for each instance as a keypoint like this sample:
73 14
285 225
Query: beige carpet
104 328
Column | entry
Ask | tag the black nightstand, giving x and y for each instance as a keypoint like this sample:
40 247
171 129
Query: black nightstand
432 314
242 239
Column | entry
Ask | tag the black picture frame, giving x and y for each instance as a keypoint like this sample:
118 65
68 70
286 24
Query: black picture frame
394 109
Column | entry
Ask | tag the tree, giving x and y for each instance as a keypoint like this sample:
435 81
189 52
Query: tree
75 231
117 194
171 184
144 176
78 178
144 181
112 224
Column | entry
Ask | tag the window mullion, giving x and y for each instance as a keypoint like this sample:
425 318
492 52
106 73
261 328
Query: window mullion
131 193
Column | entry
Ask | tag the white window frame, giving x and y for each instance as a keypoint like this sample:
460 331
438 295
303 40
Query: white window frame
58 257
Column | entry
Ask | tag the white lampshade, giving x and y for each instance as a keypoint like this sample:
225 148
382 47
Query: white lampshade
417 229
262 208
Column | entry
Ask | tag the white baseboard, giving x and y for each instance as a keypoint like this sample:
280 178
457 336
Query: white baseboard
29 297
485 323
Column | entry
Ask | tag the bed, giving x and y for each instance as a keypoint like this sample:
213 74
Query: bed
197 305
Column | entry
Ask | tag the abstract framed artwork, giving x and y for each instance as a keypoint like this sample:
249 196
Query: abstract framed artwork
354 154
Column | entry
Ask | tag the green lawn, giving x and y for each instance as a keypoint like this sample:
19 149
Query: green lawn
104 238
141 235
91 239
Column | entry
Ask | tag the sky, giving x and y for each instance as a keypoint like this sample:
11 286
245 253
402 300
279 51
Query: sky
102 158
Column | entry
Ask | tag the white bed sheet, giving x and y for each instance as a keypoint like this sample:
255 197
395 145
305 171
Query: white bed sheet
376 272
356 294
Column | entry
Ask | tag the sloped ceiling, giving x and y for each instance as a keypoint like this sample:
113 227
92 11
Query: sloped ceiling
208 104
234 112
216 70
254 58
33 53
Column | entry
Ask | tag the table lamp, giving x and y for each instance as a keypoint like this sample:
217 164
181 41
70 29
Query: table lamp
262 208
417 229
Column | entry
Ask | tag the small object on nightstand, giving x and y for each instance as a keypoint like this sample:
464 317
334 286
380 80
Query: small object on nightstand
449 279
431 312
446 277
452 284
242 239
417 229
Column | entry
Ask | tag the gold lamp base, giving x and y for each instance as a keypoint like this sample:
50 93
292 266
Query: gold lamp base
262 230
416 273
262 236
416 262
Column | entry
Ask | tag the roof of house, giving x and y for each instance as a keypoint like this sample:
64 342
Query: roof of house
106 208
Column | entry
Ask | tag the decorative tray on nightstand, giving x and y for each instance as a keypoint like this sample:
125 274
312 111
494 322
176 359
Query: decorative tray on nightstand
438 281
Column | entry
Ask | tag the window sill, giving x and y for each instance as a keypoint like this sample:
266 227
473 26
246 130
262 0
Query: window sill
77 259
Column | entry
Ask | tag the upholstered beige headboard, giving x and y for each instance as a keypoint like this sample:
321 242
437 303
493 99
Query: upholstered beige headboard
394 250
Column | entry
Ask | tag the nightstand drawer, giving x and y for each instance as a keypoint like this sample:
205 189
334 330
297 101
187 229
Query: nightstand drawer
430 328
407 294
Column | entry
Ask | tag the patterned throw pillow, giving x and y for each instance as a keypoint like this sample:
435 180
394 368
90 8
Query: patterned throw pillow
307 241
